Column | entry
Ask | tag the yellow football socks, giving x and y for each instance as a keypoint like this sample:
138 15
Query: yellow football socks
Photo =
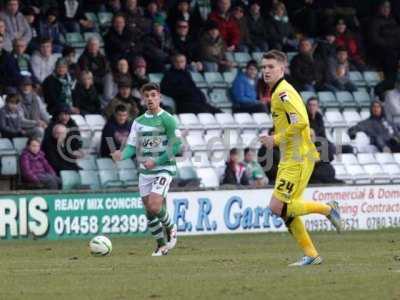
302 237
301 208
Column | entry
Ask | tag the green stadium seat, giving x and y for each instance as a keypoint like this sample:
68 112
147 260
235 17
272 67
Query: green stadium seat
87 164
346 99
9 165
20 143
257 56
156 77
92 17
357 78
187 173
105 19
90 179
372 78
109 178
105 164
241 58
307 95
328 100
362 98
75 40
229 77
199 80
290 56
219 98
70 179
125 164
215 80
6 147
129 177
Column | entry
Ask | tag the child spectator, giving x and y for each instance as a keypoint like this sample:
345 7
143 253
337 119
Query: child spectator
11 118
235 171
254 170
35 169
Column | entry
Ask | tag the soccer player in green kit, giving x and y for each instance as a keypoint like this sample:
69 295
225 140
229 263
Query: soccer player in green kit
155 140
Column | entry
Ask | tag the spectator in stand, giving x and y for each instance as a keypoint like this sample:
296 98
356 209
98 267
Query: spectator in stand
115 132
16 25
135 19
73 16
114 6
7 41
244 90
228 28
178 84
185 44
339 68
120 73
22 59
11 118
254 170
94 61
183 11
264 93
392 104
56 150
43 61
9 74
51 28
153 12
385 135
345 38
213 49
57 88
120 42
257 28
307 73
30 15
35 169
94 5
158 47
325 49
280 31
238 15
85 96
269 160
124 97
139 75
235 171
69 54
36 118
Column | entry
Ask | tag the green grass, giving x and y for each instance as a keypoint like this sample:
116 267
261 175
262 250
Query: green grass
358 265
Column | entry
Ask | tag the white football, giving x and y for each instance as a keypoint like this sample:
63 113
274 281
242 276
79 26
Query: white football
100 246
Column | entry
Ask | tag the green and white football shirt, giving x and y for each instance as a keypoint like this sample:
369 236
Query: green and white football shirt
156 137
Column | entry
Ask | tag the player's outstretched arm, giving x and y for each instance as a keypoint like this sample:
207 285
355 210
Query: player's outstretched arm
174 141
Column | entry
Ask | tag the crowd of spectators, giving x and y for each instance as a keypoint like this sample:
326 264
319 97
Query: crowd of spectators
44 73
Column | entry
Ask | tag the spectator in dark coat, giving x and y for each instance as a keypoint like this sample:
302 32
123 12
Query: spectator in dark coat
338 75
244 90
235 171
73 16
269 160
139 75
238 16
257 28
11 118
57 88
56 148
115 132
35 169
120 42
22 59
85 96
9 75
384 135
178 84
228 28
94 61
158 47
135 19
182 10
51 28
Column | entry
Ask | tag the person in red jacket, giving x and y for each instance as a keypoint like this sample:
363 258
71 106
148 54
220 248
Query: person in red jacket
35 168
228 28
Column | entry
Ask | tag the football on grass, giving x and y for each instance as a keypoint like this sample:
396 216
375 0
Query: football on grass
100 246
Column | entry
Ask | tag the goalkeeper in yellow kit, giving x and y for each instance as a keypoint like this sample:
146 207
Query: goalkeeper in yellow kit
298 155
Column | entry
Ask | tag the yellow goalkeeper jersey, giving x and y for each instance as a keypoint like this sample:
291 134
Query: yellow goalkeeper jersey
292 127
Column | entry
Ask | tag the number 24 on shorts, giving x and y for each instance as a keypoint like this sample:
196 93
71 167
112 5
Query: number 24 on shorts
284 184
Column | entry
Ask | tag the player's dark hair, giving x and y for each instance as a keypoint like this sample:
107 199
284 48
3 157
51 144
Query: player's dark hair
277 55
151 86
120 108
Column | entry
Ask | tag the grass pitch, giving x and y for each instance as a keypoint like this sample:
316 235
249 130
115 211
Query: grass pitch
358 265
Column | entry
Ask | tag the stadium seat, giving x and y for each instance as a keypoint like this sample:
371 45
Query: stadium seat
357 78
81 122
377 174
128 177
226 120
232 139
9 165
208 176
362 143
305 95
195 142
2 101
105 19
347 159
362 98
92 17
200 159
340 137
199 80
393 170
229 77
346 99
245 120
328 100
352 117
87 164
109 179
334 118
208 121
89 179
263 120
220 98
385 158
358 174
366 158
250 140
187 173
20 143
290 56
6 147
341 173
396 157
214 140
70 179
105 164
190 121
215 80
95 142
75 39
257 56
156 77
371 78
126 164
95 122
365 113
241 58
168 102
